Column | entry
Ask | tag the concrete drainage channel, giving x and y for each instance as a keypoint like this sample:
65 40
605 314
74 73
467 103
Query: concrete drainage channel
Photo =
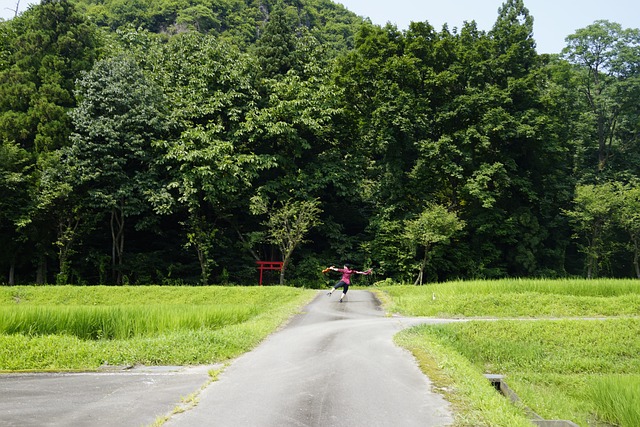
497 381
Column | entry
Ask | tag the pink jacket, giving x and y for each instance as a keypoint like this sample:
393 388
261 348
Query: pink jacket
346 274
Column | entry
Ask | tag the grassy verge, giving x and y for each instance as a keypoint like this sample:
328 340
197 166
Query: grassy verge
518 298
586 371
190 401
475 402
81 328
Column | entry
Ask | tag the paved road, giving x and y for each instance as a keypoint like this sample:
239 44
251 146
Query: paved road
133 398
334 365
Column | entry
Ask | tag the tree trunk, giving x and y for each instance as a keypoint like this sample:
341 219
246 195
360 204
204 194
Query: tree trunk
200 236
592 256
66 236
636 256
418 279
254 254
422 267
204 265
285 263
12 274
117 245
41 270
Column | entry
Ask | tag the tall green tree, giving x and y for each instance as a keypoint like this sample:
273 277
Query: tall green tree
434 225
387 97
276 47
607 57
72 217
15 192
296 123
120 114
628 217
44 50
459 119
212 166
592 218
447 64
501 122
506 148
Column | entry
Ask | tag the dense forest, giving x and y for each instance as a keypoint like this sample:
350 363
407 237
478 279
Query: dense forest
179 141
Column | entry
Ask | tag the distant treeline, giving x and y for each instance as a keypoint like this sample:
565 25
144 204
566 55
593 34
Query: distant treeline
177 142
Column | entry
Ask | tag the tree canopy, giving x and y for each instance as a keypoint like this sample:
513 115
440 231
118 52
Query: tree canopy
135 136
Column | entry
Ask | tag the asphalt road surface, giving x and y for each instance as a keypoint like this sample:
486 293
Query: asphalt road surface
134 397
333 365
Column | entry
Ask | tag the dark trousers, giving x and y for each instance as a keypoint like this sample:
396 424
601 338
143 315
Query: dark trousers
343 285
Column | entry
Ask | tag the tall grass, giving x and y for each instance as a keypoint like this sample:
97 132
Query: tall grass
119 322
549 346
136 295
518 298
549 363
617 399
563 367
475 402
578 287
80 328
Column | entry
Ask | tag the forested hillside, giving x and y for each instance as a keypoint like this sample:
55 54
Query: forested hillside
241 21
179 141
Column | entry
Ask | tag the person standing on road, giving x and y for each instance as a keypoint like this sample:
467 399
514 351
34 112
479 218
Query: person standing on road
345 280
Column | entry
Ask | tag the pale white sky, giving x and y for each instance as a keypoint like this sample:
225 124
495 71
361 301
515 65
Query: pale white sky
553 19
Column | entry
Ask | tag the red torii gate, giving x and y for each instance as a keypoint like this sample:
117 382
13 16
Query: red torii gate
268 265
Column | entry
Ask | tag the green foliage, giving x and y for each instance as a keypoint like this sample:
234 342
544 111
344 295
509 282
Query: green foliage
628 218
434 225
607 56
592 219
211 103
288 224
457 119
389 249
15 189
44 51
208 162
598 211
239 20
15 184
119 115
276 45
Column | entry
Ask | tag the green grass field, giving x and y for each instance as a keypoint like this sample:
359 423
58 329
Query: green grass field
518 298
568 348
81 328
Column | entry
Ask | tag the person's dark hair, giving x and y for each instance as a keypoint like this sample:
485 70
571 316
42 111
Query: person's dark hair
349 266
